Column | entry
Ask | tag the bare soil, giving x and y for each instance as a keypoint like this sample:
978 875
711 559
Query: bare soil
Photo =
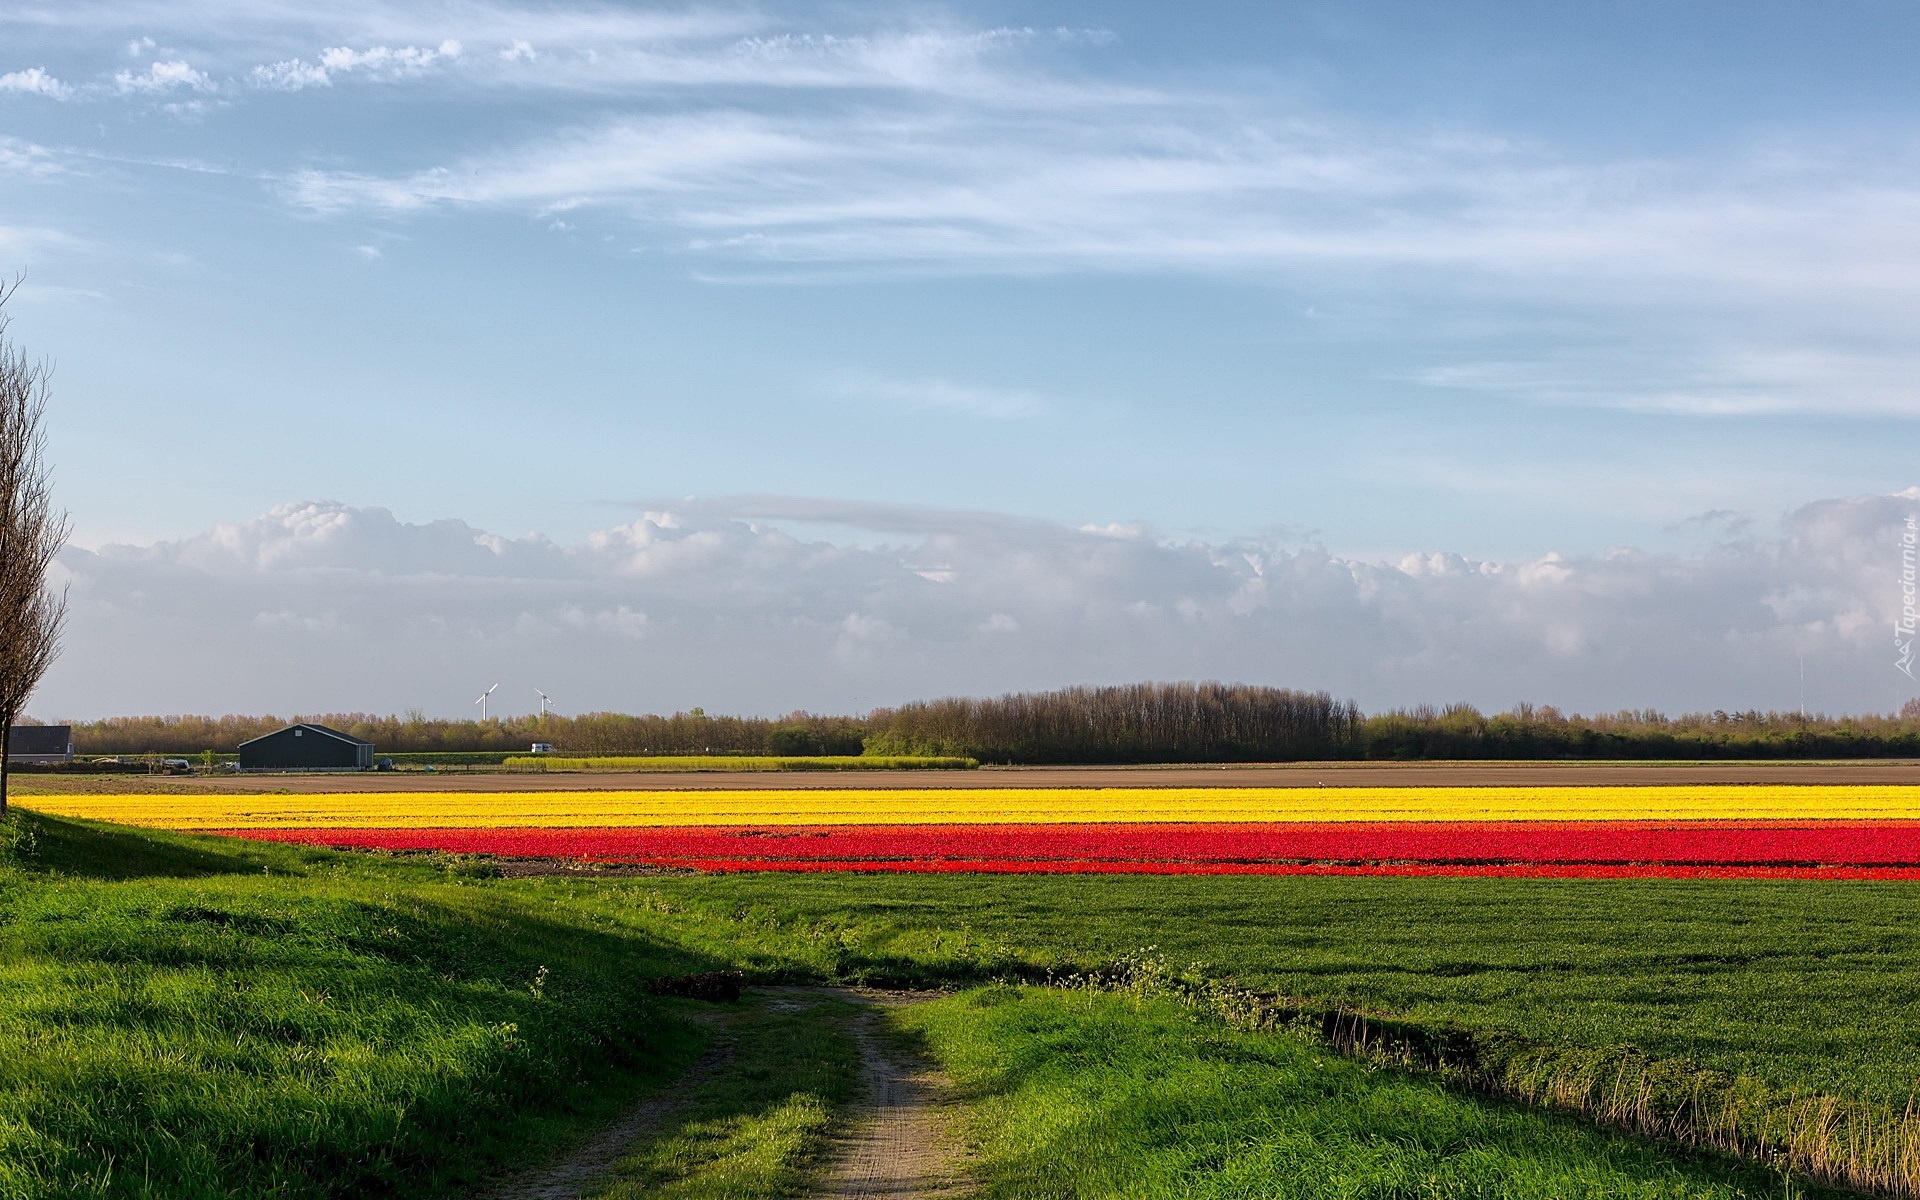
1274 775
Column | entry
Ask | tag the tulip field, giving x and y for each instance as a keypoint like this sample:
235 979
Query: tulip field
1726 967
1767 831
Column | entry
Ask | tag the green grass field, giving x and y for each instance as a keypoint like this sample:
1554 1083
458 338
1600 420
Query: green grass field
1813 984
181 1018
188 1017
1084 1095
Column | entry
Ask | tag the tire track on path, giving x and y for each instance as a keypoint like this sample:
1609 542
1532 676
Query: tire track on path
902 1143
577 1173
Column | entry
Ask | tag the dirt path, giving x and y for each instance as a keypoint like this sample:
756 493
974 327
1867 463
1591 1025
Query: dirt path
574 1175
902 1144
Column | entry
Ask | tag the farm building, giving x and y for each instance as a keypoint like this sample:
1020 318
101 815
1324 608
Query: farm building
40 744
306 747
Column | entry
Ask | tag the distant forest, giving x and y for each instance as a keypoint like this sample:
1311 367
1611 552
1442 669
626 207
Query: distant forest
1136 723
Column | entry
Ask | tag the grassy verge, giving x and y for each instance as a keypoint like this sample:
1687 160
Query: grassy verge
754 1128
1083 1094
184 1018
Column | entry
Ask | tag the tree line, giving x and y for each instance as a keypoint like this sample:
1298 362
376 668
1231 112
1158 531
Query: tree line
1135 723
1540 732
692 732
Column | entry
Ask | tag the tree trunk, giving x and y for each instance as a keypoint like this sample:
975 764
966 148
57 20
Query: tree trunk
6 764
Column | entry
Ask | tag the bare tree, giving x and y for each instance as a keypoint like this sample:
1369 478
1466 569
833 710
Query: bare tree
32 532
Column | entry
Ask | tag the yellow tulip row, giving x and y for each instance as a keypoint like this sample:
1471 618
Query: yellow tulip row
934 806
741 762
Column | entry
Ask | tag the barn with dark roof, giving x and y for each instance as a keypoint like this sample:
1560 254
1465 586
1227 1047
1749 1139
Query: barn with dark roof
306 747
40 744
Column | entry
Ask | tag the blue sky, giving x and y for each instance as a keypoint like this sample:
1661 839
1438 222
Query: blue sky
1497 282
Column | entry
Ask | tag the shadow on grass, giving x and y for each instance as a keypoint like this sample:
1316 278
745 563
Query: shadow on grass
96 850
371 1028
756 1125
104 851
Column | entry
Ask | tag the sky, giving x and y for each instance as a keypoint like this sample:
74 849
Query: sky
827 356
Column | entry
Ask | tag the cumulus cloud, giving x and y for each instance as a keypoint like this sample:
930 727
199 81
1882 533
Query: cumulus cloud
322 605
290 75
36 81
173 75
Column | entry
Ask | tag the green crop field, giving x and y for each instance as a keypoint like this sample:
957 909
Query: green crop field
193 1017
1090 1095
1807 983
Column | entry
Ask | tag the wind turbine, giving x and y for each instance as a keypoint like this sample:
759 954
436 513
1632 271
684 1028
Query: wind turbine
546 701
482 701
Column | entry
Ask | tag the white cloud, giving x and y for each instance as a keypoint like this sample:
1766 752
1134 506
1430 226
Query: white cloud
662 156
318 606
791 154
607 53
35 81
169 76
27 158
21 241
1193 183
1732 381
380 63
388 61
1780 276
290 75
273 30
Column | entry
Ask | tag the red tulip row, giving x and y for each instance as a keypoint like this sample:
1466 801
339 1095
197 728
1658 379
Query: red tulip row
1489 847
